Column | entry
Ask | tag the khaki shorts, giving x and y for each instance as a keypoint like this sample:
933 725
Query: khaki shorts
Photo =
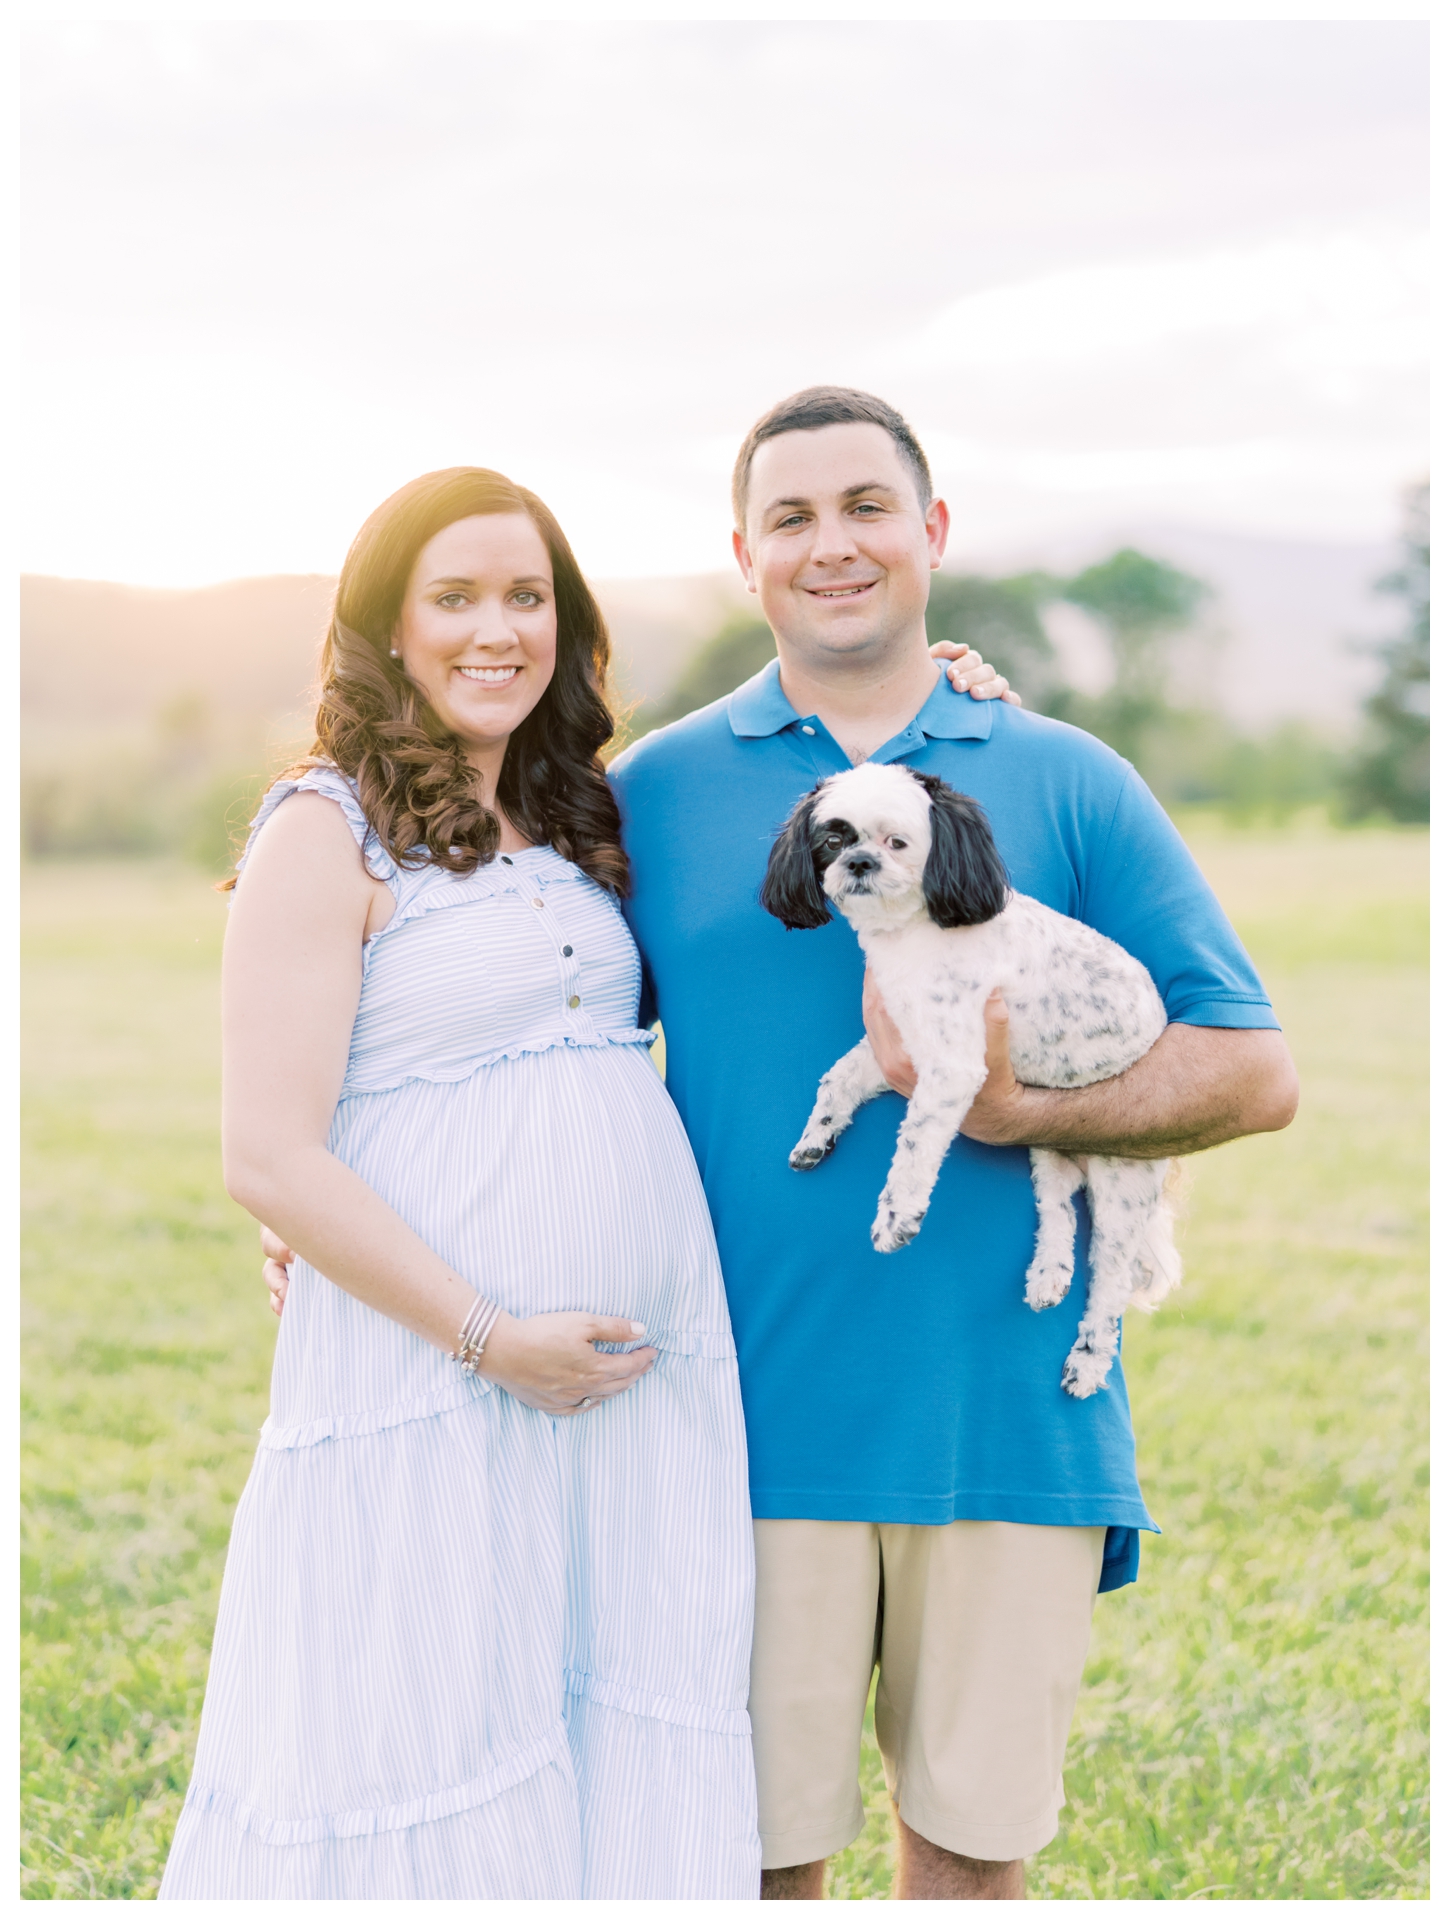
980 1629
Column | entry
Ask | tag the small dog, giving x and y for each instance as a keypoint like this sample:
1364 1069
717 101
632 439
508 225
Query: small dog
912 865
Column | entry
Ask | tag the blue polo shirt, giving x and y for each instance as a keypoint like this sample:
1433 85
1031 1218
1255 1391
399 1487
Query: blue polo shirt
916 1386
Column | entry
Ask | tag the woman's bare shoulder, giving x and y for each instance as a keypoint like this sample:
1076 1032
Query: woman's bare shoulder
307 842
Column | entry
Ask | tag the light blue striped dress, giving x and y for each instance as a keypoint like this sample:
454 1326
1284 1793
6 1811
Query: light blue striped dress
464 1649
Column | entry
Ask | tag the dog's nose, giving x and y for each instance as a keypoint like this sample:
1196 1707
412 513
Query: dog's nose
861 864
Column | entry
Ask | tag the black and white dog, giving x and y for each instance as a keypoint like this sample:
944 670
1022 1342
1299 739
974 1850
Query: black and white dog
912 865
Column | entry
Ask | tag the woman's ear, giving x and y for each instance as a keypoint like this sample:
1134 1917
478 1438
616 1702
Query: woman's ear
792 889
965 882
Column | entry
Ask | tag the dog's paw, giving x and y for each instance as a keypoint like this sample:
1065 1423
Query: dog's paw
891 1230
810 1150
1085 1372
1047 1284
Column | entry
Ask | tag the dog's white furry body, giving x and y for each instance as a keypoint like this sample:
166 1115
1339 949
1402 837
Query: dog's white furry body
1080 1010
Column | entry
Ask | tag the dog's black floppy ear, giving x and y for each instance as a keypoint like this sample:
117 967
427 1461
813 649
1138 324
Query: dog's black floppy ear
965 882
792 889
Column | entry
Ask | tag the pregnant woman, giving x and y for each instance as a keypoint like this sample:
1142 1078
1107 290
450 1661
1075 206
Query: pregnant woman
485 1625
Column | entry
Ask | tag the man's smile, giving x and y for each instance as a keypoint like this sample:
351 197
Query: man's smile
847 590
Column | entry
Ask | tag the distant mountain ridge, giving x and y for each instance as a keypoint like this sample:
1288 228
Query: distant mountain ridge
103 656
113 655
107 655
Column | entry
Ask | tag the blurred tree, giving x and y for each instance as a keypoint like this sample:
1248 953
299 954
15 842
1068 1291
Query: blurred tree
184 733
212 828
99 804
1193 756
740 648
1391 772
184 787
1002 620
1141 604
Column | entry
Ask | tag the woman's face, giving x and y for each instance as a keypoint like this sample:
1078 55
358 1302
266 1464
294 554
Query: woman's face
477 631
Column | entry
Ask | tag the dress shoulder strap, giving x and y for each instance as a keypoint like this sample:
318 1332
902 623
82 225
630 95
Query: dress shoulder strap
335 785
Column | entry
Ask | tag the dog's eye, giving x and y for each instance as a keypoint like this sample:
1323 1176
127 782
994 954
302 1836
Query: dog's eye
896 843
833 843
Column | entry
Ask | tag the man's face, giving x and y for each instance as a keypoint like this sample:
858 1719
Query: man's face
837 545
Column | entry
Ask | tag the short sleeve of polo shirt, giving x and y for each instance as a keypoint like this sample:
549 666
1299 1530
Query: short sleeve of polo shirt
1144 890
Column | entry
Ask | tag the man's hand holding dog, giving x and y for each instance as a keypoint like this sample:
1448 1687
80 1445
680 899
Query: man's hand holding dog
1194 1088
996 1115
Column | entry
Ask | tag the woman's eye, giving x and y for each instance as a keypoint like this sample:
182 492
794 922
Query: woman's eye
452 601
896 845
528 600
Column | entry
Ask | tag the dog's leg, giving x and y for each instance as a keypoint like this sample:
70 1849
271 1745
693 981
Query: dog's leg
1056 1177
855 1078
1125 1196
934 1114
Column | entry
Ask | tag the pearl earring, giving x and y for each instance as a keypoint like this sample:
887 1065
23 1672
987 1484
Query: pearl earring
393 654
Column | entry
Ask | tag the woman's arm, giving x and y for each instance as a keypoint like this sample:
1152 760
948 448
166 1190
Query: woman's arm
291 977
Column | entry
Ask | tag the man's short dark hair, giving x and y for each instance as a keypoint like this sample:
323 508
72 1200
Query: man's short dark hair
816 407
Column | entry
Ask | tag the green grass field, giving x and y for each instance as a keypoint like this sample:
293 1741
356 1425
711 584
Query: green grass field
1253 1722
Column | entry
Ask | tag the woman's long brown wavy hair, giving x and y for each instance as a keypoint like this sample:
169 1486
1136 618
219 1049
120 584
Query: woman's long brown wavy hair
413 776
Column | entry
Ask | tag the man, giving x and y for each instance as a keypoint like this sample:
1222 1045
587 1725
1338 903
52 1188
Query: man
927 1498
926 1495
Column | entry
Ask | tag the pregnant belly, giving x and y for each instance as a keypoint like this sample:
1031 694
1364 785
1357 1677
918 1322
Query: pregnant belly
558 1181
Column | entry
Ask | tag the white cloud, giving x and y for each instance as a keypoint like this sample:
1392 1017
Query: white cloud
1277 388
1340 301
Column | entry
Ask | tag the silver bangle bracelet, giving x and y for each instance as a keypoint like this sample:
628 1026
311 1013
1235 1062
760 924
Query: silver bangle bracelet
482 1317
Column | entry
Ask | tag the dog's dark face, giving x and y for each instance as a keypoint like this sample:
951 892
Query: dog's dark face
885 844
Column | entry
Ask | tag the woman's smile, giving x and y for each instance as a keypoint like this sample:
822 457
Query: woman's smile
489 676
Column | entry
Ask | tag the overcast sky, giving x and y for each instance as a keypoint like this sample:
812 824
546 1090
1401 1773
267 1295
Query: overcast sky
1116 275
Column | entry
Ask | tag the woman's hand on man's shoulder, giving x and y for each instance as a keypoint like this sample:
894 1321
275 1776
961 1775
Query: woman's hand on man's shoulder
967 672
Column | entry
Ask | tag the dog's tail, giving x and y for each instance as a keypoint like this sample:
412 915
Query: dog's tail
1159 1266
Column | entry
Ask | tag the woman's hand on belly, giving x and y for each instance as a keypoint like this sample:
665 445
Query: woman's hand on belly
550 1362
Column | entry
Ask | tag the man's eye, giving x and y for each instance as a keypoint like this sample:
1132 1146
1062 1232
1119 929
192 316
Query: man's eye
896 845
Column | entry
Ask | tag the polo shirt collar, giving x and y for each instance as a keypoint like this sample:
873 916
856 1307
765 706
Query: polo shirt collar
760 708
948 715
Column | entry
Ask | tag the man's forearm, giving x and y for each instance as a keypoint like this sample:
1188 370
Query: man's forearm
1195 1087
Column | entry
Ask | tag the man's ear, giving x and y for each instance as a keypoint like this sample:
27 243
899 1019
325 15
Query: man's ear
965 882
792 889
938 523
743 559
